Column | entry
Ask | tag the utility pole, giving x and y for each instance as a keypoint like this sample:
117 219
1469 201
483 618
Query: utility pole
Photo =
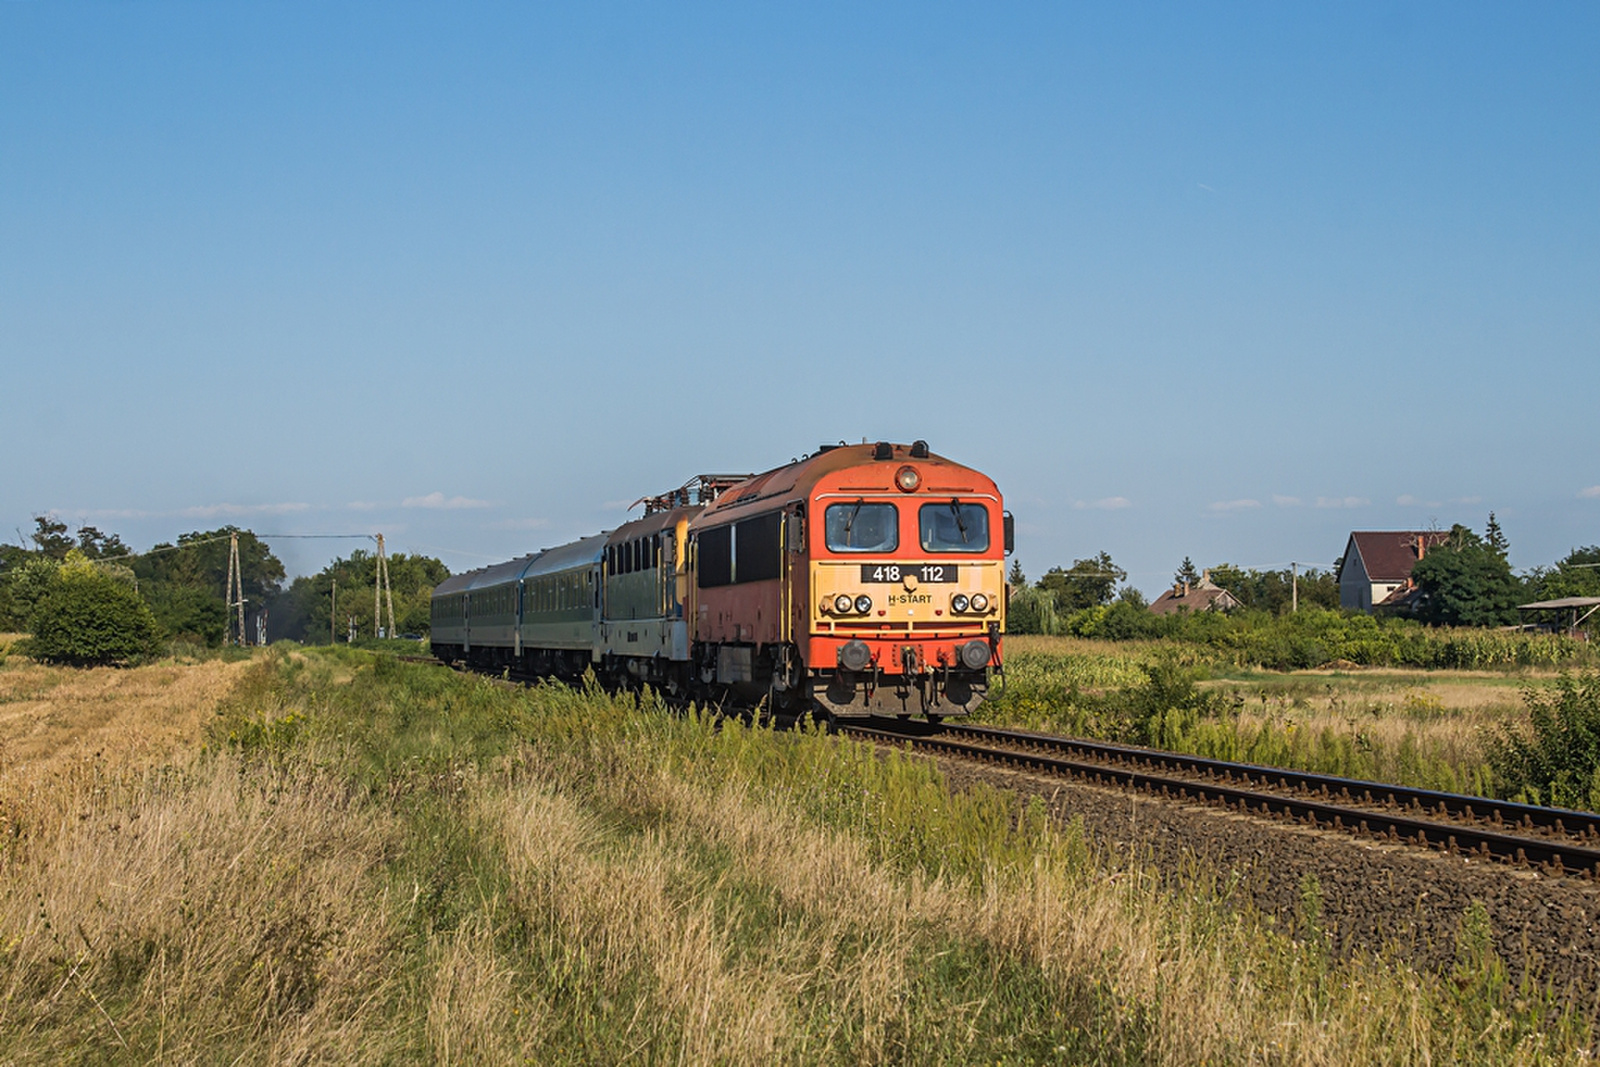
333 608
1294 587
235 595
381 591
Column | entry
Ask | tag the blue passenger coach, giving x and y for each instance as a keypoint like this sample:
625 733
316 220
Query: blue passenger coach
537 613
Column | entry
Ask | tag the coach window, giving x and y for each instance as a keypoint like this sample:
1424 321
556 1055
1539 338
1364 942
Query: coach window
862 527
954 526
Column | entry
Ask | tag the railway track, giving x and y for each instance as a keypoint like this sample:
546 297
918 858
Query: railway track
1551 838
1555 839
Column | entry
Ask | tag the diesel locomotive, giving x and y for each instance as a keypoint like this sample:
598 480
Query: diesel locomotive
860 580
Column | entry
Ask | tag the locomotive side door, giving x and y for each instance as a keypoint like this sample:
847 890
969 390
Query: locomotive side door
794 594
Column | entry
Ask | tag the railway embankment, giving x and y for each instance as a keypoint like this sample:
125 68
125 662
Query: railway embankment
1374 894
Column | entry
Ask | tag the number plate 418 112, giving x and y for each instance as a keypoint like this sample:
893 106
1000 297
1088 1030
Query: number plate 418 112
899 572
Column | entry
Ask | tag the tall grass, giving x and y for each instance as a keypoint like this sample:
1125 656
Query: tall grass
382 862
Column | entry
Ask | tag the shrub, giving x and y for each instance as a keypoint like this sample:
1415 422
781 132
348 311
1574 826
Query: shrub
88 617
1555 758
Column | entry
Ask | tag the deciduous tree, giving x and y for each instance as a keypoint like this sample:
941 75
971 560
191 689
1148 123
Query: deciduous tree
1466 581
1085 584
51 538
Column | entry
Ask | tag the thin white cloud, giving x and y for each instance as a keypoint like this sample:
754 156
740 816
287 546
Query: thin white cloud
1406 500
1234 505
439 501
1105 503
1590 493
362 505
520 524
1342 501
212 511
1286 501
108 513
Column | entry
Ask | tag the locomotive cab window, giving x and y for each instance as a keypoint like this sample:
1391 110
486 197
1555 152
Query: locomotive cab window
953 526
862 527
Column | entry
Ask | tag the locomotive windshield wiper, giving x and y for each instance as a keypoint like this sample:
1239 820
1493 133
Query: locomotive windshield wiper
852 519
955 509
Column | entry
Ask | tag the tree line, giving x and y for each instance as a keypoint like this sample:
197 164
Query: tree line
1089 595
1467 580
123 605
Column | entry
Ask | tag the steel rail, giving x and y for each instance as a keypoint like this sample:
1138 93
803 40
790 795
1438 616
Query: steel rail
1409 829
1502 813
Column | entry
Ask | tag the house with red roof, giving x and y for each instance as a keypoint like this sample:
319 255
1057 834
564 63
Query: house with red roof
1376 571
1205 596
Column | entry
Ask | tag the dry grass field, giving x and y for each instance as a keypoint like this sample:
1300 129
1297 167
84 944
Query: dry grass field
51 718
361 860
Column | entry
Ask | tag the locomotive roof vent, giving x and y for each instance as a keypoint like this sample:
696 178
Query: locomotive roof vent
919 450
883 450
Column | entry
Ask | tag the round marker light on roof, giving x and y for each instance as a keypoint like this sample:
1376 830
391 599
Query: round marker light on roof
906 479
863 603
980 602
842 603
958 603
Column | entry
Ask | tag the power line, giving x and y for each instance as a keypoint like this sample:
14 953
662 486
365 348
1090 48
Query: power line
459 552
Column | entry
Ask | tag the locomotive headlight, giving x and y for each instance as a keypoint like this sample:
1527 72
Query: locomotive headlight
863 603
842 603
958 603
906 479
980 602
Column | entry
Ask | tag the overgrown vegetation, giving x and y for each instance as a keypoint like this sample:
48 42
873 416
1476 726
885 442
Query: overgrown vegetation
1554 758
1542 747
384 862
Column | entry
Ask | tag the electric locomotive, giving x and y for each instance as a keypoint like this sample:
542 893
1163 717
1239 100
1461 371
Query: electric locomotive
860 580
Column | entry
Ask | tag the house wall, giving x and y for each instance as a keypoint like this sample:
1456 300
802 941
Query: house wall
1355 588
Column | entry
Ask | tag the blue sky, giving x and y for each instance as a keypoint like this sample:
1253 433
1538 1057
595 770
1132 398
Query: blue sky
1224 281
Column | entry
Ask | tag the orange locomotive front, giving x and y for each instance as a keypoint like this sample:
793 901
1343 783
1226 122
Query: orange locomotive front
864 579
